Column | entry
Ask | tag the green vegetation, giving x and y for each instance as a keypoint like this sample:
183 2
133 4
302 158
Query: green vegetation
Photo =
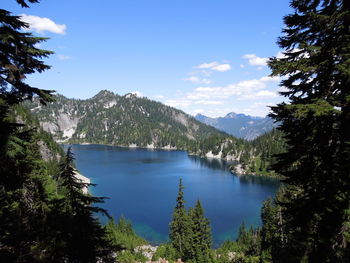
166 251
245 249
108 118
190 236
309 219
315 207
122 234
82 238
262 155
180 228
190 232
201 234
123 237
45 216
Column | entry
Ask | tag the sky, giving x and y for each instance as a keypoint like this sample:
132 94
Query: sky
200 56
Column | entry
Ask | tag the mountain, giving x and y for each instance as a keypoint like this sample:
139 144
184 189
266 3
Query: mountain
239 125
131 121
128 120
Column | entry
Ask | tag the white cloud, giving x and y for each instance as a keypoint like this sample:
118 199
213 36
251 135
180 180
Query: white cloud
185 103
262 94
178 103
208 102
63 57
250 96
282 89
206 73
208 65
242 90
158 96
222 67
257 109
197 80
216 66
196 111
42 24
254 60
270 79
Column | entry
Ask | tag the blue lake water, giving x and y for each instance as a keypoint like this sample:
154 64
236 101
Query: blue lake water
142 185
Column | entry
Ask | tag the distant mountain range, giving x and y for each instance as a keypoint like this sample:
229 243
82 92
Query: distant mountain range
240 125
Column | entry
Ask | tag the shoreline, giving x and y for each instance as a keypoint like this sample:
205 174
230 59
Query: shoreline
83 179
236 170
130 146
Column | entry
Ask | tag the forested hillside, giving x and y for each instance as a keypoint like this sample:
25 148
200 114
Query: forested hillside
131 121
265 150
108 118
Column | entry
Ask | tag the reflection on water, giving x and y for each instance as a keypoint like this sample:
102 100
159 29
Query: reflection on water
212 163
151 160
260 180
219 164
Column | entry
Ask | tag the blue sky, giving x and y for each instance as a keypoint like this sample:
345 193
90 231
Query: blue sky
201 56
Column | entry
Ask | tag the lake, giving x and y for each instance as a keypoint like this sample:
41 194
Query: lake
142 185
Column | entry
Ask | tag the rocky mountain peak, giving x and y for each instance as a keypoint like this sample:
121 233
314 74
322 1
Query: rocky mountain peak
231 115
104 94
240 125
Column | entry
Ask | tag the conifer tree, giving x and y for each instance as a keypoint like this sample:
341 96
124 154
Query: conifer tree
24 3
19 57
180 227
24 200
78 201
86 239
273 238
34 226
23 197
201 234
315 120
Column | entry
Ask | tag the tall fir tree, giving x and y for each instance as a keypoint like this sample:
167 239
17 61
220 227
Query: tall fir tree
19 57
23 196
36 224
24 200
315 71
201 235
86 238
180 227
273 236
